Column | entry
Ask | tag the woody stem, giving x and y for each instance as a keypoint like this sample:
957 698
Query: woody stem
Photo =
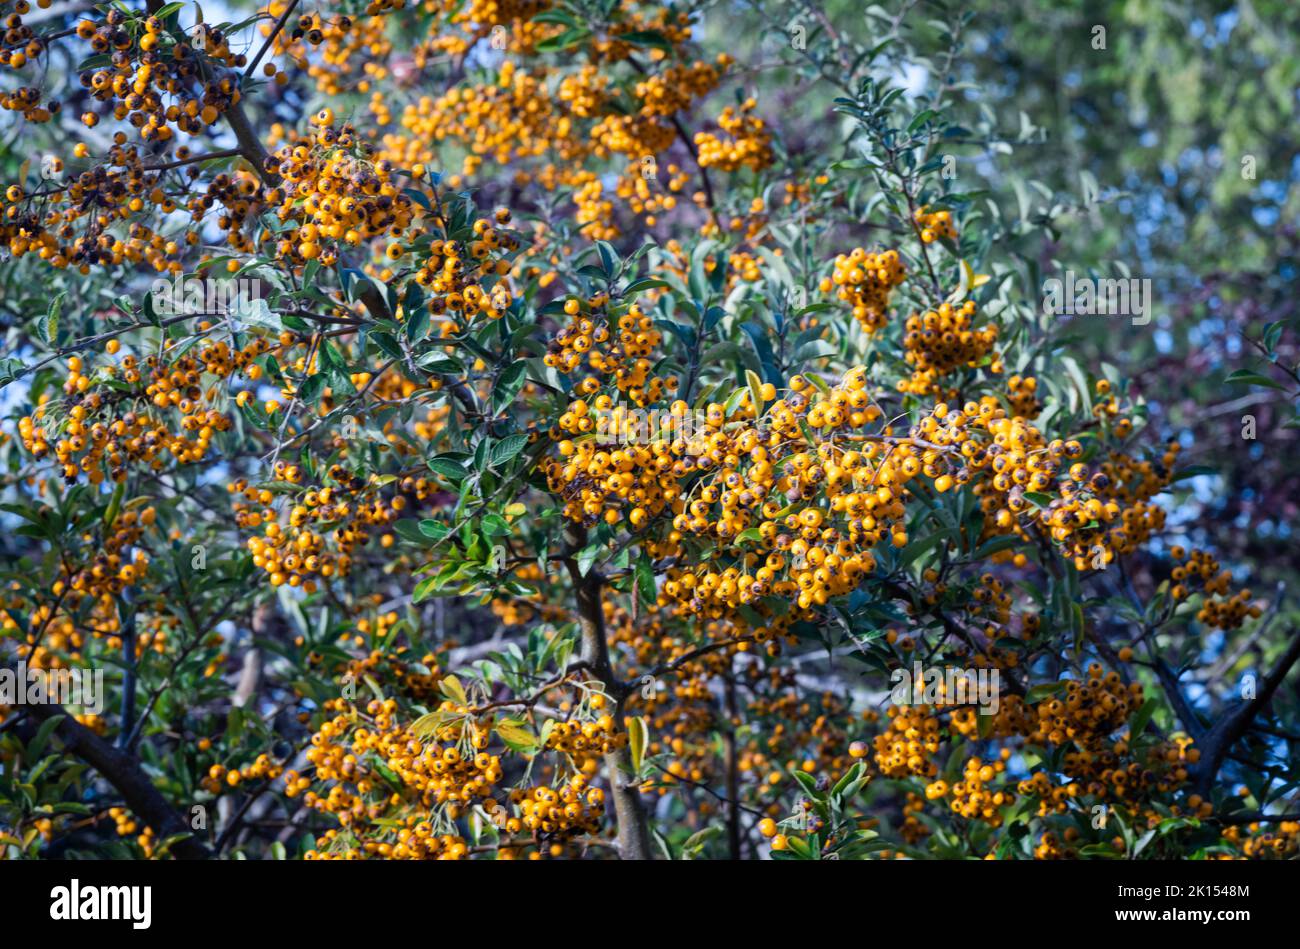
629 810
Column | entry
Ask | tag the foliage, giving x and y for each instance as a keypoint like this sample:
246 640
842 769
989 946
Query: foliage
512 430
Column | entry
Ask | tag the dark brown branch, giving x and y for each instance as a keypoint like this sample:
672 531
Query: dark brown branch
270 39
733 771
680 661
1218 741
629 809
1254 817
1169 682
125 774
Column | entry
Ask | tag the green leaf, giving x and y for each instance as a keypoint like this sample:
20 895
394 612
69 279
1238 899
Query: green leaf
424 726
651 38
562 17
800 848
1141 717
435 530
1246 377
645 581
42 736
849 785
409 529
925 115
694 844
508 448
447 468
609 259
995 545
114 504
517 736
1193 471
569 38
508 385
755 390
1272 333
387 344
587 556
1039 692
312 389
808 783
638 286
48 326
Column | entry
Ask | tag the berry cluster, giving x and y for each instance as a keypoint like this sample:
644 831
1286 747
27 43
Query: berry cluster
334 195
749 144
321 533
934 225
939 342
110 425
1218 610
865 281
148 66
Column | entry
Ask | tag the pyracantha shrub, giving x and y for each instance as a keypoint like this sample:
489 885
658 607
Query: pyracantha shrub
511 430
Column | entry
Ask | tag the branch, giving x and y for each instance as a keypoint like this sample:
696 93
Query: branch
91 341
275 31
531 700
629 809
680 661
1220 739
1186 714
1254 817
124 773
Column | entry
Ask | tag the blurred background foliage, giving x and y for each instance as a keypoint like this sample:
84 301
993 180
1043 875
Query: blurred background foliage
1184 128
